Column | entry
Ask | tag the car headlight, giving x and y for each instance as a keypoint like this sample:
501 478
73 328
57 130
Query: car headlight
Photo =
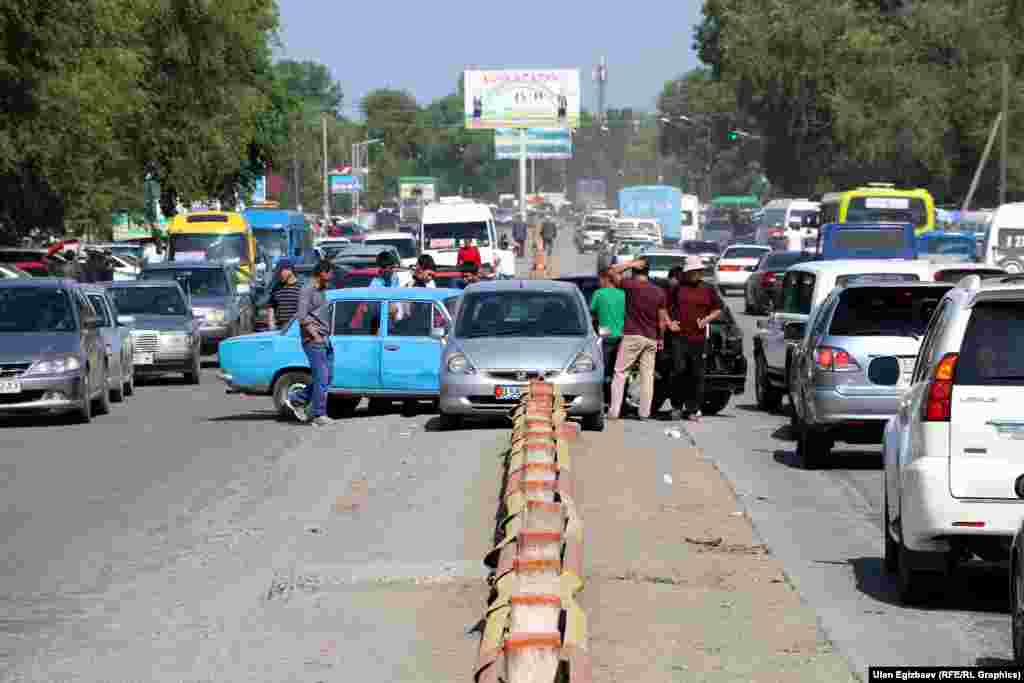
179 337
54 366
458 364
583 362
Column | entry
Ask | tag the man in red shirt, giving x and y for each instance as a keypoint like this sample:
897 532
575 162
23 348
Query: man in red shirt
694 306
468 252
646 320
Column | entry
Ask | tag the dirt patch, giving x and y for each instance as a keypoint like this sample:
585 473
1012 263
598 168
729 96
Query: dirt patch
678 585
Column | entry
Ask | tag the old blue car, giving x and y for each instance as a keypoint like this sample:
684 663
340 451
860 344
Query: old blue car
387 347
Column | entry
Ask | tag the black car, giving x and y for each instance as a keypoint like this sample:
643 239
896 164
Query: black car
766 280
725 371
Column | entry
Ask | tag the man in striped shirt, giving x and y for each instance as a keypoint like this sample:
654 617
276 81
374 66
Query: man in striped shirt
284 299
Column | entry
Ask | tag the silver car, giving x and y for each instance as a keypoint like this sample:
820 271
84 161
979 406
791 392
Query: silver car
117 341
854 362
508 332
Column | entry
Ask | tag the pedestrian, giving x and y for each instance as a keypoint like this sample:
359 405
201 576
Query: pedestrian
608 310
645 321
283 303
468 252
695 306
470 274
548 233
519 237
387 265
310 404
423 276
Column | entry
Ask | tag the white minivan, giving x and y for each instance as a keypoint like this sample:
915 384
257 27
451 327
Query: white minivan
447 224
781 225
689 224
1004 243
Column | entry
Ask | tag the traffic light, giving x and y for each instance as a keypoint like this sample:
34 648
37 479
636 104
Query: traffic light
732 136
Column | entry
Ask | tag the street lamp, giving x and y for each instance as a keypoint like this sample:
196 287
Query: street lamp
357 168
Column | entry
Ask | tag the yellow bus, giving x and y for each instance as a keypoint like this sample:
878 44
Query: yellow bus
213 236
880 203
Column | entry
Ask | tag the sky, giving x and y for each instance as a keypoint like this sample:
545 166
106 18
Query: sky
424 48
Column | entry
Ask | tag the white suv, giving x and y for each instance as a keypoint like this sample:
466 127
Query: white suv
955 450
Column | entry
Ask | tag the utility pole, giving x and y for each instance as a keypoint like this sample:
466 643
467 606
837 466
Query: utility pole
355 173
327 181
601 78
1005 137
533 176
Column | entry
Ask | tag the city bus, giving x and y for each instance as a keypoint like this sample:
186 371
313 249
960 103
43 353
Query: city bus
279 233
880 203
213 236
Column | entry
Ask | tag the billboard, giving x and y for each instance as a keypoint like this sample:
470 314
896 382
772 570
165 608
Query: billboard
345 184
522 99
427 187
541 143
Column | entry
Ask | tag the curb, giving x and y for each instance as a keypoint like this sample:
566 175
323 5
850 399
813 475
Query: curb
534 630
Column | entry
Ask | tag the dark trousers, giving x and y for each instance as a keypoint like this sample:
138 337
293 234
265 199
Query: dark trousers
610 347
686 388
321 363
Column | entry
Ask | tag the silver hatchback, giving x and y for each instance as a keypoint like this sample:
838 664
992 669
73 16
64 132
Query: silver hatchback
854 363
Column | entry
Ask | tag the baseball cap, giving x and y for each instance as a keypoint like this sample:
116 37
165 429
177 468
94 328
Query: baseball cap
693 263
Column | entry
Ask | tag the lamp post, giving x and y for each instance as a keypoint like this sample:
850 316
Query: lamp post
357 168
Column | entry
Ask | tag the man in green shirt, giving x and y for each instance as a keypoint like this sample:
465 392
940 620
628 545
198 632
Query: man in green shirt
608 310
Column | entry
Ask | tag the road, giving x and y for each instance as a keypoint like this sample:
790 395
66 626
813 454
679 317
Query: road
191 534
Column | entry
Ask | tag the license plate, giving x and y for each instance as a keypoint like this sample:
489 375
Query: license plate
512 393
144 359
10 386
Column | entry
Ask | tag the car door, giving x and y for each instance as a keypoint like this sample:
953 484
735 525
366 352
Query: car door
411 358
92 341
109 333
803 358
356 338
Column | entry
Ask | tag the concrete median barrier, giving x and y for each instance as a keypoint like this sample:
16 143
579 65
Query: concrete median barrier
534 630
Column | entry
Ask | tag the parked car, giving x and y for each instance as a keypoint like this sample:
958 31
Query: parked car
854 362
766 280
116 331
736 264
52 357
374 355
952 452
223 309
166 334
511 331
804 287
35 262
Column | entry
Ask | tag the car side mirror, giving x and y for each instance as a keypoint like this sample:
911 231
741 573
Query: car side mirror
794 331
126 320
438 333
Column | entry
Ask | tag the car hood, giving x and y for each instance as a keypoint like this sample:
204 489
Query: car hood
20 347
162 323
515 353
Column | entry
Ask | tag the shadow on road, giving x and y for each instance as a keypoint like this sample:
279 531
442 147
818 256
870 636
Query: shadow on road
994 661
841 460
252 416
475 425
972 588
210 363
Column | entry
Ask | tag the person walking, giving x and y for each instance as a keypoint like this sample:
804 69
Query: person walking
468 252
645 321
519 237
549 232
310 404
608 310
283 302
695 306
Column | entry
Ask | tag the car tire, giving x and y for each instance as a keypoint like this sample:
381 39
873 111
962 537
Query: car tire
103 400
594 422
715 403
410 408
812 447
449 422
380 406
84 413
891 560
193 376
282 385
129 386
1017 612
768 397
342 407
117 391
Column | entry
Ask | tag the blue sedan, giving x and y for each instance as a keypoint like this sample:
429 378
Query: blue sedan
387 346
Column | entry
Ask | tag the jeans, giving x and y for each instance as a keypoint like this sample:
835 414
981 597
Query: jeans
321 362
633 350
549 246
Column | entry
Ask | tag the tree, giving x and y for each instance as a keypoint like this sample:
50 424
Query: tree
311 84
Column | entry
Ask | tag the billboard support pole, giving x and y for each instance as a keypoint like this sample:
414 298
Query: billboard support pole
327 179
522 174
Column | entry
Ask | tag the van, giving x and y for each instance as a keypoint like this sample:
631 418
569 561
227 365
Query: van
1004 242
782 226
447 224
213 236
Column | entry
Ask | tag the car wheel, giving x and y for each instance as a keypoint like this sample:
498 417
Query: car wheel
812 447
768 397
84 413
380 406
908 581
891 561
129 386
103 400
117 391
715 403
342 407
410 408
1017 612
193 375
1012 266
297 380
595 422
450 422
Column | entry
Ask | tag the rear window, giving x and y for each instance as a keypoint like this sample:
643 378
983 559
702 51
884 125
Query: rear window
854 278
887 210
744 252
351 281
954 275
885 311
784 260
989 354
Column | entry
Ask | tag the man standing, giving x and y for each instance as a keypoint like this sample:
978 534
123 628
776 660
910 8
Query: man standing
696 305
284 297
549 232
424 274
608 309
388 263
646 320
519 237
316 342
468 252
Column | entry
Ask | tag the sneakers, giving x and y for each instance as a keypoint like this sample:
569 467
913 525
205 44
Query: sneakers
322 421
298 406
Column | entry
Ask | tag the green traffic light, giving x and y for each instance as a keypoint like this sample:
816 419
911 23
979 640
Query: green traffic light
733 135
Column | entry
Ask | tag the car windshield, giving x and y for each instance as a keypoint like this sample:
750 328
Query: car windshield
744 252
701 247
887 210
406 247
885 311
989 354
148 300
586 285
273 242
198 282
520 314
773 217
35 309
664 261
451 235
229 248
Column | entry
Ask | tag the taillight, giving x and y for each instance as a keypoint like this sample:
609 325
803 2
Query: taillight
938 406
728 269
834 360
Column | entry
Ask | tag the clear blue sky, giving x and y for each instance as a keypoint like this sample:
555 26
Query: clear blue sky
423 48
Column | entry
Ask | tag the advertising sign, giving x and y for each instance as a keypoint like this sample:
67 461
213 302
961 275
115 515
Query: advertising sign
522 99
345 184
408 186
541 143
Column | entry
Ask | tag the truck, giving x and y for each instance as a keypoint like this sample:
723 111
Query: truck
591 193
414 192
662 203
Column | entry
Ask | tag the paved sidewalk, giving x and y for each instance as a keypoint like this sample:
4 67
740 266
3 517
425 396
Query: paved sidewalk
678 586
